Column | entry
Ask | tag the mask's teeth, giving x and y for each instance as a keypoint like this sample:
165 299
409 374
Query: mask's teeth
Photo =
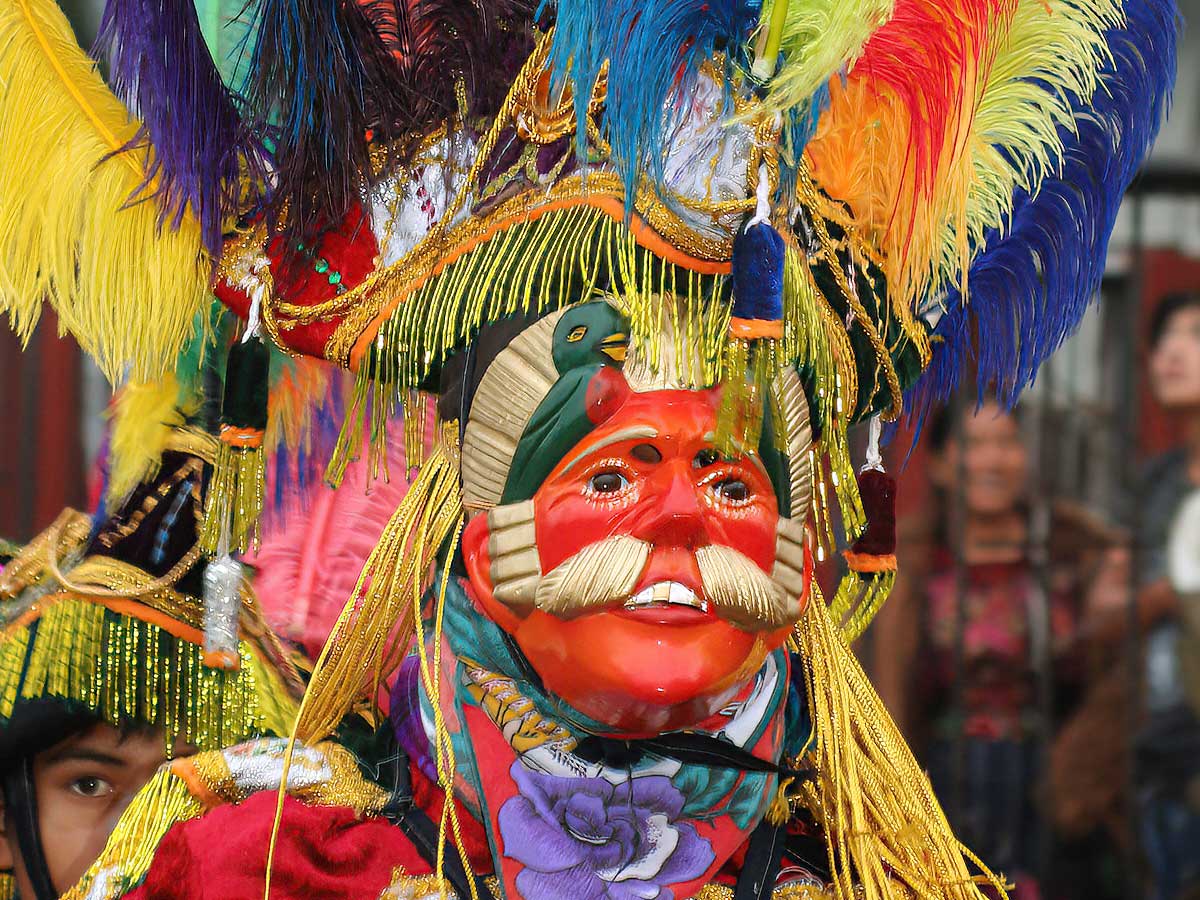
683 595
666 592
644 597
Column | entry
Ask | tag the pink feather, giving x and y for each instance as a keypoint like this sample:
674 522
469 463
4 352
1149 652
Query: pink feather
309 563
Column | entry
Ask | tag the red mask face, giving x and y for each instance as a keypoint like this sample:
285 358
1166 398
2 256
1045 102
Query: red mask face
649 472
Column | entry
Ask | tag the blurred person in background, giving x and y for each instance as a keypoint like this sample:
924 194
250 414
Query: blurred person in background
963 684
1167 740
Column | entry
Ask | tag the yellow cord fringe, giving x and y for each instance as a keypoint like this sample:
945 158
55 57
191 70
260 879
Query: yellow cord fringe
123 668
883 826
382 609
235 496
859 597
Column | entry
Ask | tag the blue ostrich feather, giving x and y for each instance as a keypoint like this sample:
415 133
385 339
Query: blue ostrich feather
1031 284
655 51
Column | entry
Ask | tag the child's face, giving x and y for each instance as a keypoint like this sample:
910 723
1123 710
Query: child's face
1175 362
82 786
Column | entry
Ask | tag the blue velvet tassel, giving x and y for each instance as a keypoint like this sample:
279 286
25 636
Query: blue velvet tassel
757 273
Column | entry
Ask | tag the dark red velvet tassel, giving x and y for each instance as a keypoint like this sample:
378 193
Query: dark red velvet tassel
878 492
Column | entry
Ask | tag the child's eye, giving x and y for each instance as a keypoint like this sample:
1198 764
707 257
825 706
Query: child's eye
91 786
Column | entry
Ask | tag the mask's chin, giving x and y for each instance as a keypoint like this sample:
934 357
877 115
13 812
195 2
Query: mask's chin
637 676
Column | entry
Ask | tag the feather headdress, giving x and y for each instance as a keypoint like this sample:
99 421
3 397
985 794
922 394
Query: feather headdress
790 198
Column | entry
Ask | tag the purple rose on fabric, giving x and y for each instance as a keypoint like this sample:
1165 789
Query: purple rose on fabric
588 839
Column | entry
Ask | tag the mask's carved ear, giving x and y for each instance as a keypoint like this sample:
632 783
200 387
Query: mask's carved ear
477 559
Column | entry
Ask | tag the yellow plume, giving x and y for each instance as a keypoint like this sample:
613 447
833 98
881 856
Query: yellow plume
143 417
127 289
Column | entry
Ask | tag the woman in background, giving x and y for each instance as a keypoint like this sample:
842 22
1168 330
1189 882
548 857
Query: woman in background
968 683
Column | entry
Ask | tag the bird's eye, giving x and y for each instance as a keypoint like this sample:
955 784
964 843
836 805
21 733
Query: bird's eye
733 490
607 482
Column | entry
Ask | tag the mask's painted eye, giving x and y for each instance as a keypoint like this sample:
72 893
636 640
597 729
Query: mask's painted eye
91 786
607 482
732 489
577 334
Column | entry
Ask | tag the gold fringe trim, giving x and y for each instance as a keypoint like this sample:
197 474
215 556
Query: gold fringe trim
123 668
748 370
235 498
881 820
164 802
815 335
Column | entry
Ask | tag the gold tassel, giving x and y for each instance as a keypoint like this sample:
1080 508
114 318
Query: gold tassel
883 826
859 597
126 288
164 802
8 886
235 493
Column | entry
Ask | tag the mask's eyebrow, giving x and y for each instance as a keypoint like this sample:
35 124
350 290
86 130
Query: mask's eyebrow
627 434
711 438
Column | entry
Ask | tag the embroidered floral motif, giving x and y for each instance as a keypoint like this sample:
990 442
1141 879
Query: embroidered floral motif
588 839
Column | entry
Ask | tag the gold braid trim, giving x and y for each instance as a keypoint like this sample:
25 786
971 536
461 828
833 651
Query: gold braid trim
67 534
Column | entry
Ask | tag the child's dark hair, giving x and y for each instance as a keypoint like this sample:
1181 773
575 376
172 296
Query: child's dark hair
1167 307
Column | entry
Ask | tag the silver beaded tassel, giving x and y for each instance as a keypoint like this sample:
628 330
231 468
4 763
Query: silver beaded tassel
222 602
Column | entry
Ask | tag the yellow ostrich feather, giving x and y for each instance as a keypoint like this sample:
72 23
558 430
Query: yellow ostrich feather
143 417
126 288
819 39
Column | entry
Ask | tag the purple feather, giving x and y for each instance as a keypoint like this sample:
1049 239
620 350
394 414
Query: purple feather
204 155
330 78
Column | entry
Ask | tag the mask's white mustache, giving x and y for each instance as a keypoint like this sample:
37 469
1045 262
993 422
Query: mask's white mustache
605 573
601 574
742 592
